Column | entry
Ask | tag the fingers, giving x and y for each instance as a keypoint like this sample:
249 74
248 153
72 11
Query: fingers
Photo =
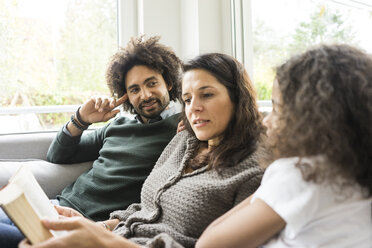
24 244
63 224
101 103
107 104
111 114
117 102
67 212
50 243
97 100
121 100
47 244
180 126
62 211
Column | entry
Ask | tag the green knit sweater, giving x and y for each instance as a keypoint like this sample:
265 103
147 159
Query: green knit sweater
124 153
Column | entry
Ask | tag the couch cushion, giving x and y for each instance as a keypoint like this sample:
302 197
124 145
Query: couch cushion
25 145
53 178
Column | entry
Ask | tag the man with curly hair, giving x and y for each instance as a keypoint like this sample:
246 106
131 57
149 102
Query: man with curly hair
144 76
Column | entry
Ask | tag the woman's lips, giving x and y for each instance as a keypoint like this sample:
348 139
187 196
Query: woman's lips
198 123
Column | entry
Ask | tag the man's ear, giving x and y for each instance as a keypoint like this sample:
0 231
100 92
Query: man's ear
169 87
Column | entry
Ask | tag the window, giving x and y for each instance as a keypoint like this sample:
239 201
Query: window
53 53
282 28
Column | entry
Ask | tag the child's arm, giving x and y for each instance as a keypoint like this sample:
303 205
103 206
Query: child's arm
246 225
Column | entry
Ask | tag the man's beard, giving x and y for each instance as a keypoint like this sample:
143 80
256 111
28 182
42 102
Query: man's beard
161 104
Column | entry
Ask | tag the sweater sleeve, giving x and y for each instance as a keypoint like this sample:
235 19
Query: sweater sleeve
66 149
122 215
163 240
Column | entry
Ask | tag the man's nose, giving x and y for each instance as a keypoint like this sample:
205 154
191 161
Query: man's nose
146 94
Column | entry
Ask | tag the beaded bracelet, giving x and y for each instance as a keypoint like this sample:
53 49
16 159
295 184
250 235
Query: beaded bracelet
76 124
78 117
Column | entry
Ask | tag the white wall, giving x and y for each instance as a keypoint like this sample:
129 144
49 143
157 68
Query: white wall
190 27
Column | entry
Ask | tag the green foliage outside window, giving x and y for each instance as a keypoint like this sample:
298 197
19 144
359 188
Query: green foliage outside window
55 61
325 25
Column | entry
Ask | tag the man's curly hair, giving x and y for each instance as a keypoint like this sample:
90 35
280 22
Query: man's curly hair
327 110
148 52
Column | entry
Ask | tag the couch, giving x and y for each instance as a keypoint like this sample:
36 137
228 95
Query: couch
30 150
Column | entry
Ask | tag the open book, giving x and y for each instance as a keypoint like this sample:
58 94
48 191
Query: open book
24 201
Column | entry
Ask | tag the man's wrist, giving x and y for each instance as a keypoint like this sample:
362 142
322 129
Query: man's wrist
79 119
77 124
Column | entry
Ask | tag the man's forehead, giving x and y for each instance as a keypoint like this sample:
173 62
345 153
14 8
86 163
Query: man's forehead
141 74
132 85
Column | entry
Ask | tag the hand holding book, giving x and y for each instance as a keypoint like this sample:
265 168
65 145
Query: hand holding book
30 209
23 200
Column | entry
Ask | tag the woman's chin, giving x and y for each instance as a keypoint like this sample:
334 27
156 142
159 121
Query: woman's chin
202 137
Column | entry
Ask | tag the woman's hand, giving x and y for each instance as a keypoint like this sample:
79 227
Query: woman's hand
81 233
67 212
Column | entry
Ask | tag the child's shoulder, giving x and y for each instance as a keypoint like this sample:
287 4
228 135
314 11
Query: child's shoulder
292 163
282 164
287 170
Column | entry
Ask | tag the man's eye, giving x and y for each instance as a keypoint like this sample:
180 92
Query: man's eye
187 101
134 91
153 83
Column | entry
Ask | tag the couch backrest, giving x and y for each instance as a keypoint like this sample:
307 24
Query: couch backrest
26 145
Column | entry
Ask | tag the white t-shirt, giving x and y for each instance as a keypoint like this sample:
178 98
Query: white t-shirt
316 215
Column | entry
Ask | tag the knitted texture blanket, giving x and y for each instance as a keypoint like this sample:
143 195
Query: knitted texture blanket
176 207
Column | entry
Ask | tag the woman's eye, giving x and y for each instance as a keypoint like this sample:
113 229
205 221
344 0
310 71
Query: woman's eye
187 101
206 95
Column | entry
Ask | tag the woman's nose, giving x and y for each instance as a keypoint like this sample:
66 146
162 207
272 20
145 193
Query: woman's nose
196 105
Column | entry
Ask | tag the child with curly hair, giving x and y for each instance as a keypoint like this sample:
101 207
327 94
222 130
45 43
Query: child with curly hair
318 191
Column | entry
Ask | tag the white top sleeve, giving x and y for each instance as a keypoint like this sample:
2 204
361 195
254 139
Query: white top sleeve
285 191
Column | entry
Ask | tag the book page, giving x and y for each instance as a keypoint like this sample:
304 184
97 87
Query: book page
17 207
35 195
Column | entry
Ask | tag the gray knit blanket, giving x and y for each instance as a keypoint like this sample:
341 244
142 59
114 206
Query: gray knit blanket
176 207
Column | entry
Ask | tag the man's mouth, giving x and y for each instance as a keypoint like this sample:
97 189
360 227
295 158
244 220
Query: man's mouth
149 104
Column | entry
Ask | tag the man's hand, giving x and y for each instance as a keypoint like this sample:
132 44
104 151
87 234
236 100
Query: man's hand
100 109
180 127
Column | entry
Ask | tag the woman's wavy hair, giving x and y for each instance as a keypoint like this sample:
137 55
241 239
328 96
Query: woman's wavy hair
327 110
245 128
148 52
